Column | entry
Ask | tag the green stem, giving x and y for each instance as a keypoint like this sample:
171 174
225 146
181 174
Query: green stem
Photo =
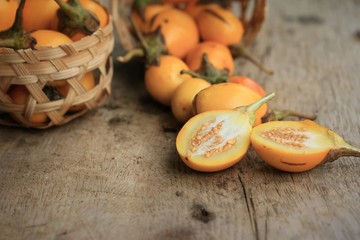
8 43
348 151
252 108
276 115
256 105
137 52
73 18
241 51
192 73
152 44
300 115
210 72
215 78
341 148
68 10
197 75
352 152
18 23
139 34
15 37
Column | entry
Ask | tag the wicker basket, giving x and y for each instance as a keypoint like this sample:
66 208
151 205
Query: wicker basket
70 62
251 13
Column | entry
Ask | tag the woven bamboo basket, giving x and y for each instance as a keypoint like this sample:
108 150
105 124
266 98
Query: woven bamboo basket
68 62
252 14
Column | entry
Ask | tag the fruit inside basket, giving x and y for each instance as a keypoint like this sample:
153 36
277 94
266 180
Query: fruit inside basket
64 72
252 14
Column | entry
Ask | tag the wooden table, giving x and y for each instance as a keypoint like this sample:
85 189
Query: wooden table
115 173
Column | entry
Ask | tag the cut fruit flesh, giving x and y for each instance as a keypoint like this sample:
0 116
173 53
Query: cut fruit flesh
215 140
292 146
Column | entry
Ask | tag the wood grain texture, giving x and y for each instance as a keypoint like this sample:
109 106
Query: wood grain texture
115 174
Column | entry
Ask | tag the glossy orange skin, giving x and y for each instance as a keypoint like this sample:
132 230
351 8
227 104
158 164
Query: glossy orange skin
161 81
50 38
250 83
88 82
77 36
181 101
229 96
7 13
219 56
219 25
150 11
293 159
179 30
38 14
19 95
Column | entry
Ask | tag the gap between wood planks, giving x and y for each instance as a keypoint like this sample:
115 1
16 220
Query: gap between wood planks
250 207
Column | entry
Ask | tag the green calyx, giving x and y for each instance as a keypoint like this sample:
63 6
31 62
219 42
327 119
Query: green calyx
15 37
155 47
73 18
152 47
209 72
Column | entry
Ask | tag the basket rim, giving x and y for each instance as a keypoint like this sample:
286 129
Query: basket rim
9 55
97 44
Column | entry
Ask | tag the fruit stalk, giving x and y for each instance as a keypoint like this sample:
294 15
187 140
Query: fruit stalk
137 52
256 105
344 149
209 72
213 78
252 108
240 51
15 37
152 46
74 18
277 115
